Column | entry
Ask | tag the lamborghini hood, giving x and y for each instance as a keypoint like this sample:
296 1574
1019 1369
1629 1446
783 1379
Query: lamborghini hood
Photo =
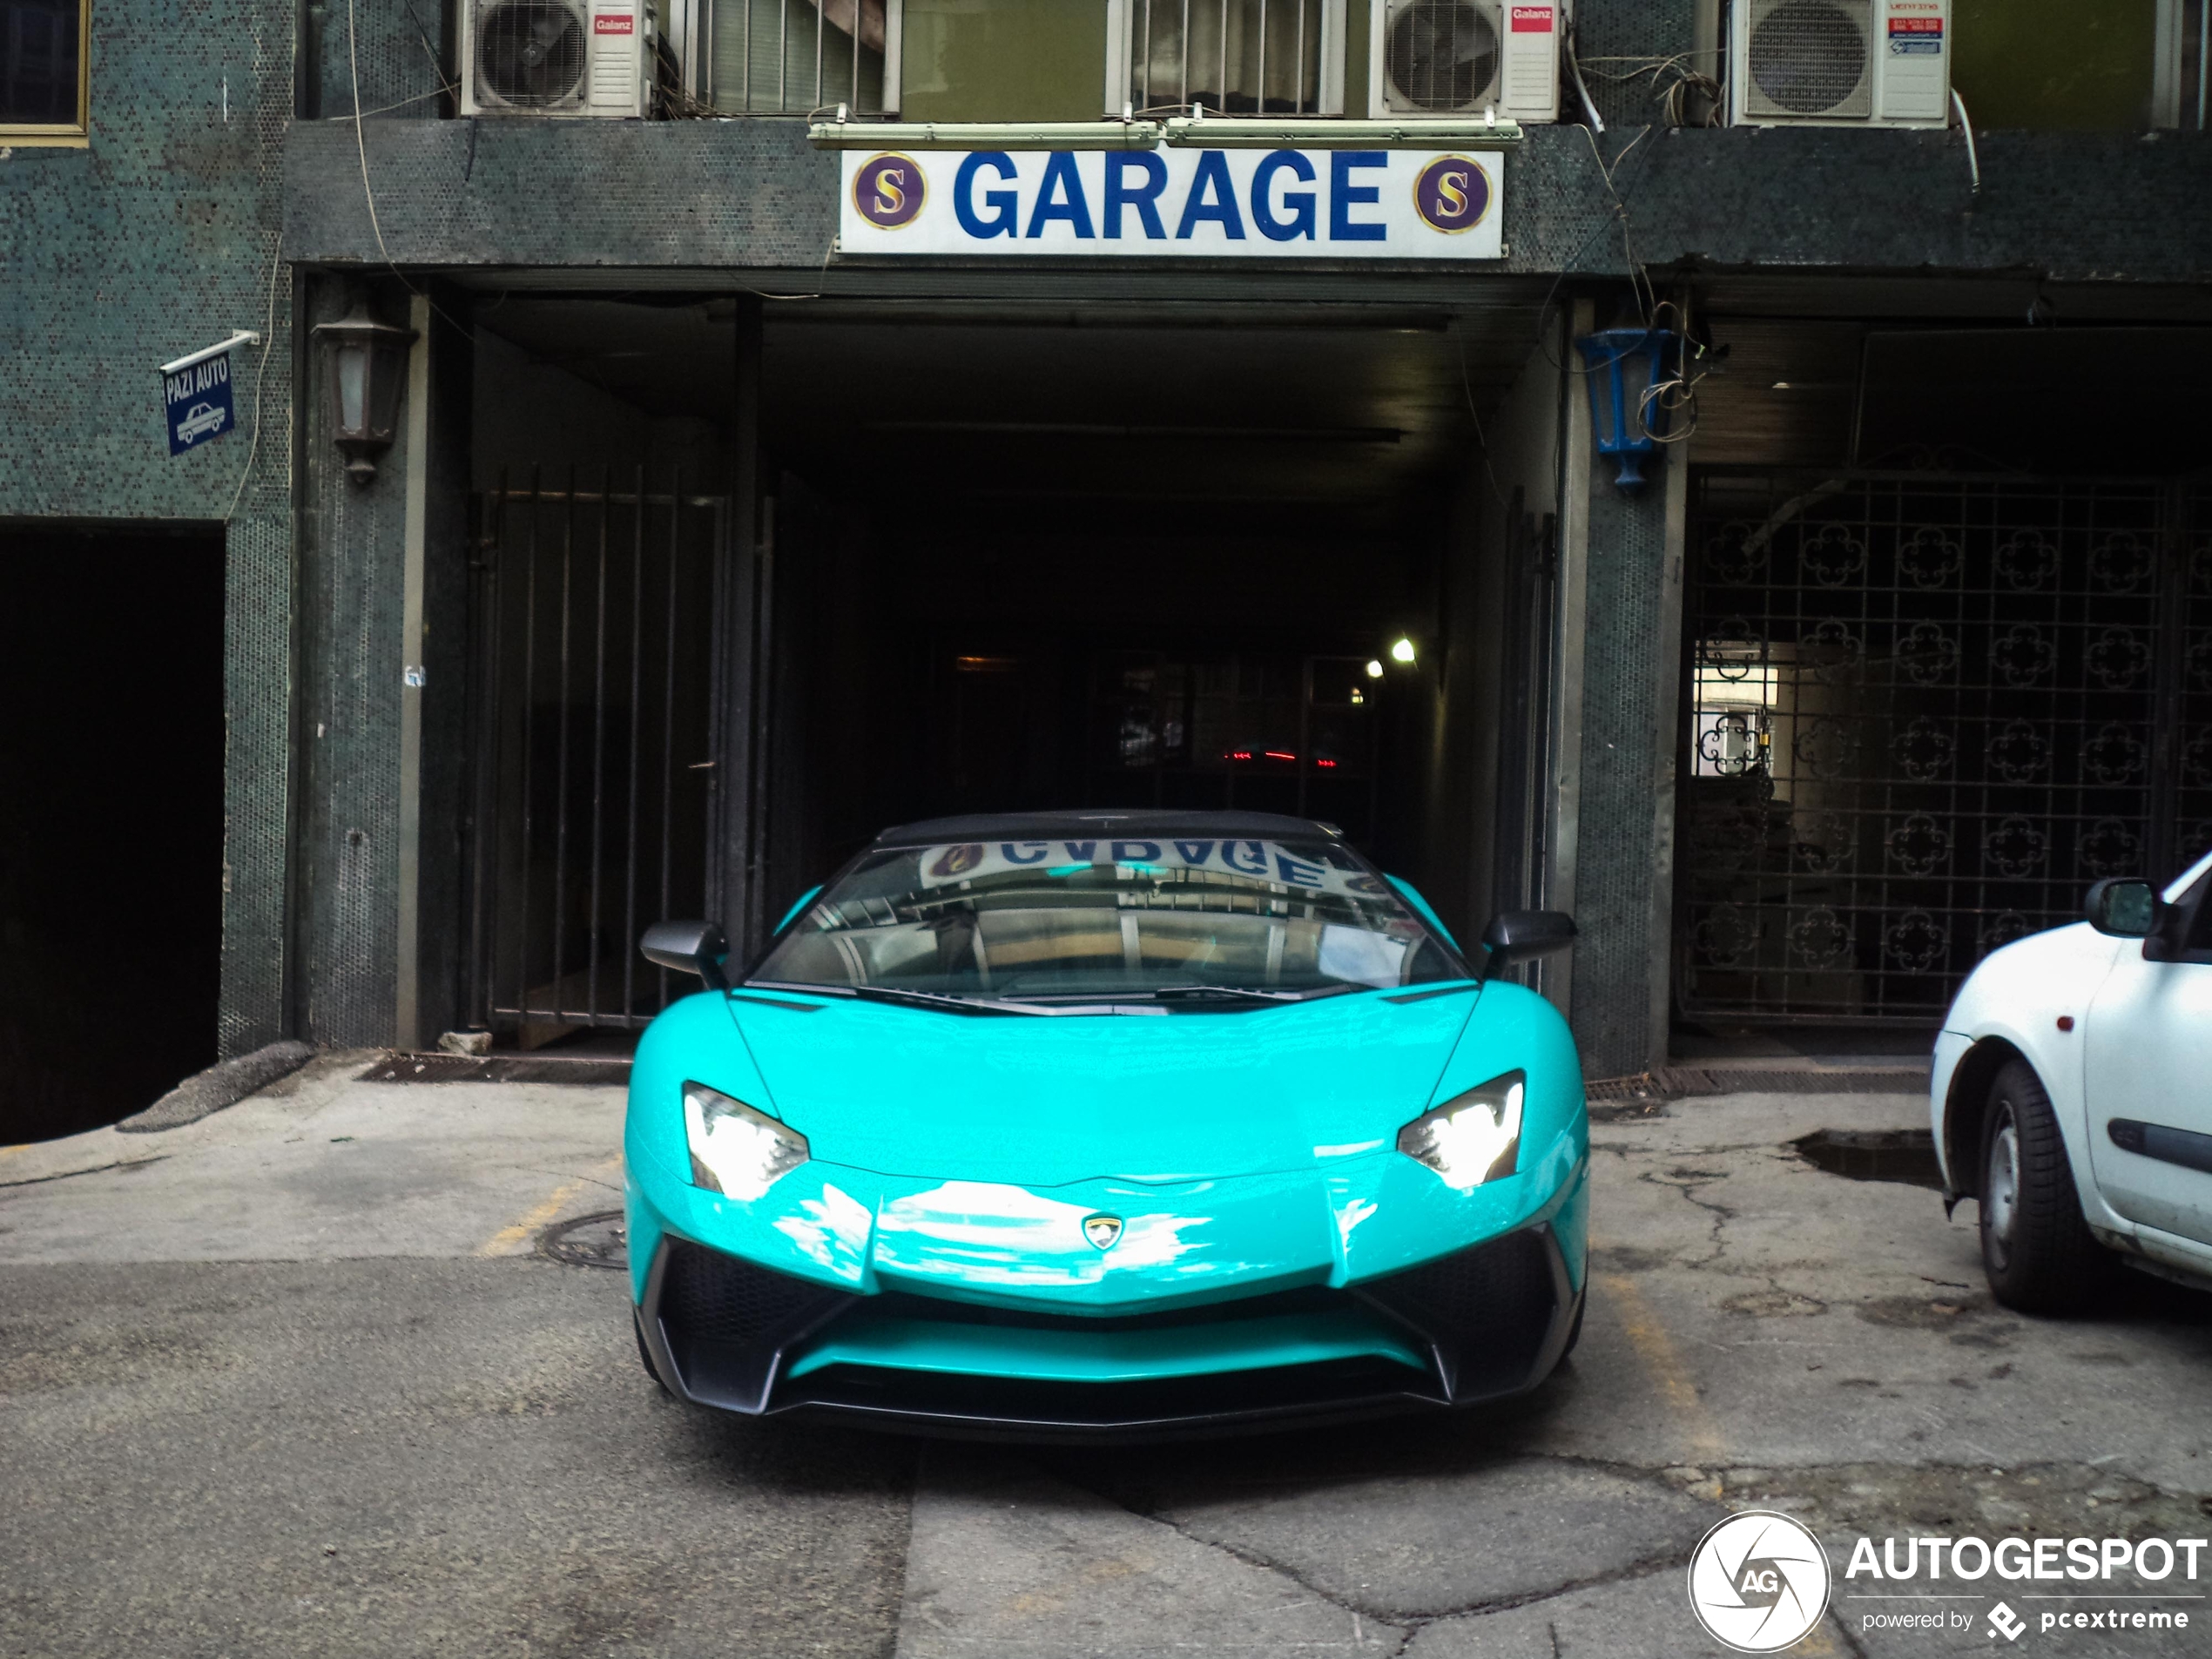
1157 1097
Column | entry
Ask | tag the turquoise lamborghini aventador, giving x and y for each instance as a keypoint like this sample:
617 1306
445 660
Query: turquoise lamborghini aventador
1087 1124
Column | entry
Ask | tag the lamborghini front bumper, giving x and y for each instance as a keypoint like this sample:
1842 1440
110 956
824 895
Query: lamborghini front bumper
1481 1323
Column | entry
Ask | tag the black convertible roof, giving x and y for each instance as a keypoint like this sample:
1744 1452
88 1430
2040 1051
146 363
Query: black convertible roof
1107 822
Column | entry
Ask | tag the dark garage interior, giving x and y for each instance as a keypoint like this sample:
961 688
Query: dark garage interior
1088 554
110 820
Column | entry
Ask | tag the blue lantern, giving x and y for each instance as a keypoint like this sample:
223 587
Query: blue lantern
1627 420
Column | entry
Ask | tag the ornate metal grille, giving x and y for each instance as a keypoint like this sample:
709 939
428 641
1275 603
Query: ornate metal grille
1923 713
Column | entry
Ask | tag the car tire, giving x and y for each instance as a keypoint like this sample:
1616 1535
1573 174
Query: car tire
2036 1249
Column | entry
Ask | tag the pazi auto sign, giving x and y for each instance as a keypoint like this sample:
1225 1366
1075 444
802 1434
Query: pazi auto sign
1176 202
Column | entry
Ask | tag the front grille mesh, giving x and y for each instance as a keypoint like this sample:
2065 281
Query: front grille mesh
709 1297
1487 1309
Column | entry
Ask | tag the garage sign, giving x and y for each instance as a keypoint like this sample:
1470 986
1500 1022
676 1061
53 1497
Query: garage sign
1176 203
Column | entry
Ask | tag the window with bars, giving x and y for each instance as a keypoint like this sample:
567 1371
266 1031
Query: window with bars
1232 56
794 57
44 86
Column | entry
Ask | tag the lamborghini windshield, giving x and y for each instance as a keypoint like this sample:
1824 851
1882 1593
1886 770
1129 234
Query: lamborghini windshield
1163 920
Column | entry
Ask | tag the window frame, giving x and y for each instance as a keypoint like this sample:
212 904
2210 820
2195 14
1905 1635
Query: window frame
690 25
71 135
1121 68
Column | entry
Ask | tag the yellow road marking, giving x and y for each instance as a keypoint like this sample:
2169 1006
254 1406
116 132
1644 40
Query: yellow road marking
503 1242
1665 1366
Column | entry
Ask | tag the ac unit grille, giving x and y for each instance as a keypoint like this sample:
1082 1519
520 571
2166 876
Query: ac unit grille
1811 58
1440 55
531 53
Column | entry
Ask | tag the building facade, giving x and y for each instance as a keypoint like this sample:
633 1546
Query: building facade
719 525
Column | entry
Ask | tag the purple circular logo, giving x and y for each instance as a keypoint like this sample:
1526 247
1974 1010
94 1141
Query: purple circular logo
887 191
1452 194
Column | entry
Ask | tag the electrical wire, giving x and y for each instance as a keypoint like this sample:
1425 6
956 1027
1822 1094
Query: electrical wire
368 195
268 338
1480 437
361 144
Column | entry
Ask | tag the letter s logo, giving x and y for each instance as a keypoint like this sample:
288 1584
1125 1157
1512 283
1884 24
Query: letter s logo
887 191
1452 194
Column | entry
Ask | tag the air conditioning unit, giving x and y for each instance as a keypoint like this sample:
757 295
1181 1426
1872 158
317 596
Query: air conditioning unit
557 58
1840 62
1462 57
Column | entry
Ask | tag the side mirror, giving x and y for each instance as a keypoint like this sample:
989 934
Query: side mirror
1517 935
2126 909
689 948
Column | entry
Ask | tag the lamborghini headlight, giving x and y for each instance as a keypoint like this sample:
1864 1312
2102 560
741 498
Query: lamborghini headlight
1473 1137
736 1150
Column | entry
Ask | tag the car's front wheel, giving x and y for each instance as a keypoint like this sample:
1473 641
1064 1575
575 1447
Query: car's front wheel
2036 1248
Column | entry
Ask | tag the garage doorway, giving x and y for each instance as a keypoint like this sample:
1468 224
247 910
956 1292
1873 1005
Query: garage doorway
110 820
1009 557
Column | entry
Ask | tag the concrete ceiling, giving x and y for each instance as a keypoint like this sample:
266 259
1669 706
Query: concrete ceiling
1127 400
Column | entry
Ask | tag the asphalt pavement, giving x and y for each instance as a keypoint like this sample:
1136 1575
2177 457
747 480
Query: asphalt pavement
297 1379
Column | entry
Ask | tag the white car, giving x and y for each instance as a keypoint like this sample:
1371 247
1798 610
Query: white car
200 420
2073 1096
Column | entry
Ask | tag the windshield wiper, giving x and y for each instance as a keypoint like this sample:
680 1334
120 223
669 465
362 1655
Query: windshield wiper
1242 993
947 1001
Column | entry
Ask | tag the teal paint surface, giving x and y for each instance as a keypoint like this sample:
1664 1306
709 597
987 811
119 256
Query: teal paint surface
1246 1153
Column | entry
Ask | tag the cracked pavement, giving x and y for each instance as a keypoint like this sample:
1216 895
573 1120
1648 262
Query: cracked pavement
291 1380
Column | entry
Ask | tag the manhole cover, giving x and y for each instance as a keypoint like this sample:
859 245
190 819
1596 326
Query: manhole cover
1903 1154
587 1241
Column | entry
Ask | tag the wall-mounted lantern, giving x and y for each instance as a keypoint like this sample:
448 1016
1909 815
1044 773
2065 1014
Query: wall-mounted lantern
365 361
1626 418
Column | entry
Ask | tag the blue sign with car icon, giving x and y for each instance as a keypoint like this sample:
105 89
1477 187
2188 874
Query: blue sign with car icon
198 397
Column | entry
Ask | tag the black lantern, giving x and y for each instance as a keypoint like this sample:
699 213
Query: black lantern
1628 375
365 363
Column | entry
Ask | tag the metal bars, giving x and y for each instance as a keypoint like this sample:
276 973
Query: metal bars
795 57
1923 712
594 626
1234 56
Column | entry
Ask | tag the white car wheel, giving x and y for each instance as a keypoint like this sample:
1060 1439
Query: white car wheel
2036 1248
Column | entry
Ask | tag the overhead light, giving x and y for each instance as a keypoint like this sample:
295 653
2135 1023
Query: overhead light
1401 650
1375 670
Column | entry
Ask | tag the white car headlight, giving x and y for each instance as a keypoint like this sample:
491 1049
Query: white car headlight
736 1150
1473 1137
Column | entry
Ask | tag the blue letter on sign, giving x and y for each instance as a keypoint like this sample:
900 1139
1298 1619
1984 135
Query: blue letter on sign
1212 175
1058 172
1300 202
1146 200
1001 223
1344 194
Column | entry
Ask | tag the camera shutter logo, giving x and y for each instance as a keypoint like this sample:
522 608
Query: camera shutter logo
888 190
1758 1582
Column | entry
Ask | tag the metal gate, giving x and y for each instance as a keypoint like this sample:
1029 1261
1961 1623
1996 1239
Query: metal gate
594 739
1923 712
